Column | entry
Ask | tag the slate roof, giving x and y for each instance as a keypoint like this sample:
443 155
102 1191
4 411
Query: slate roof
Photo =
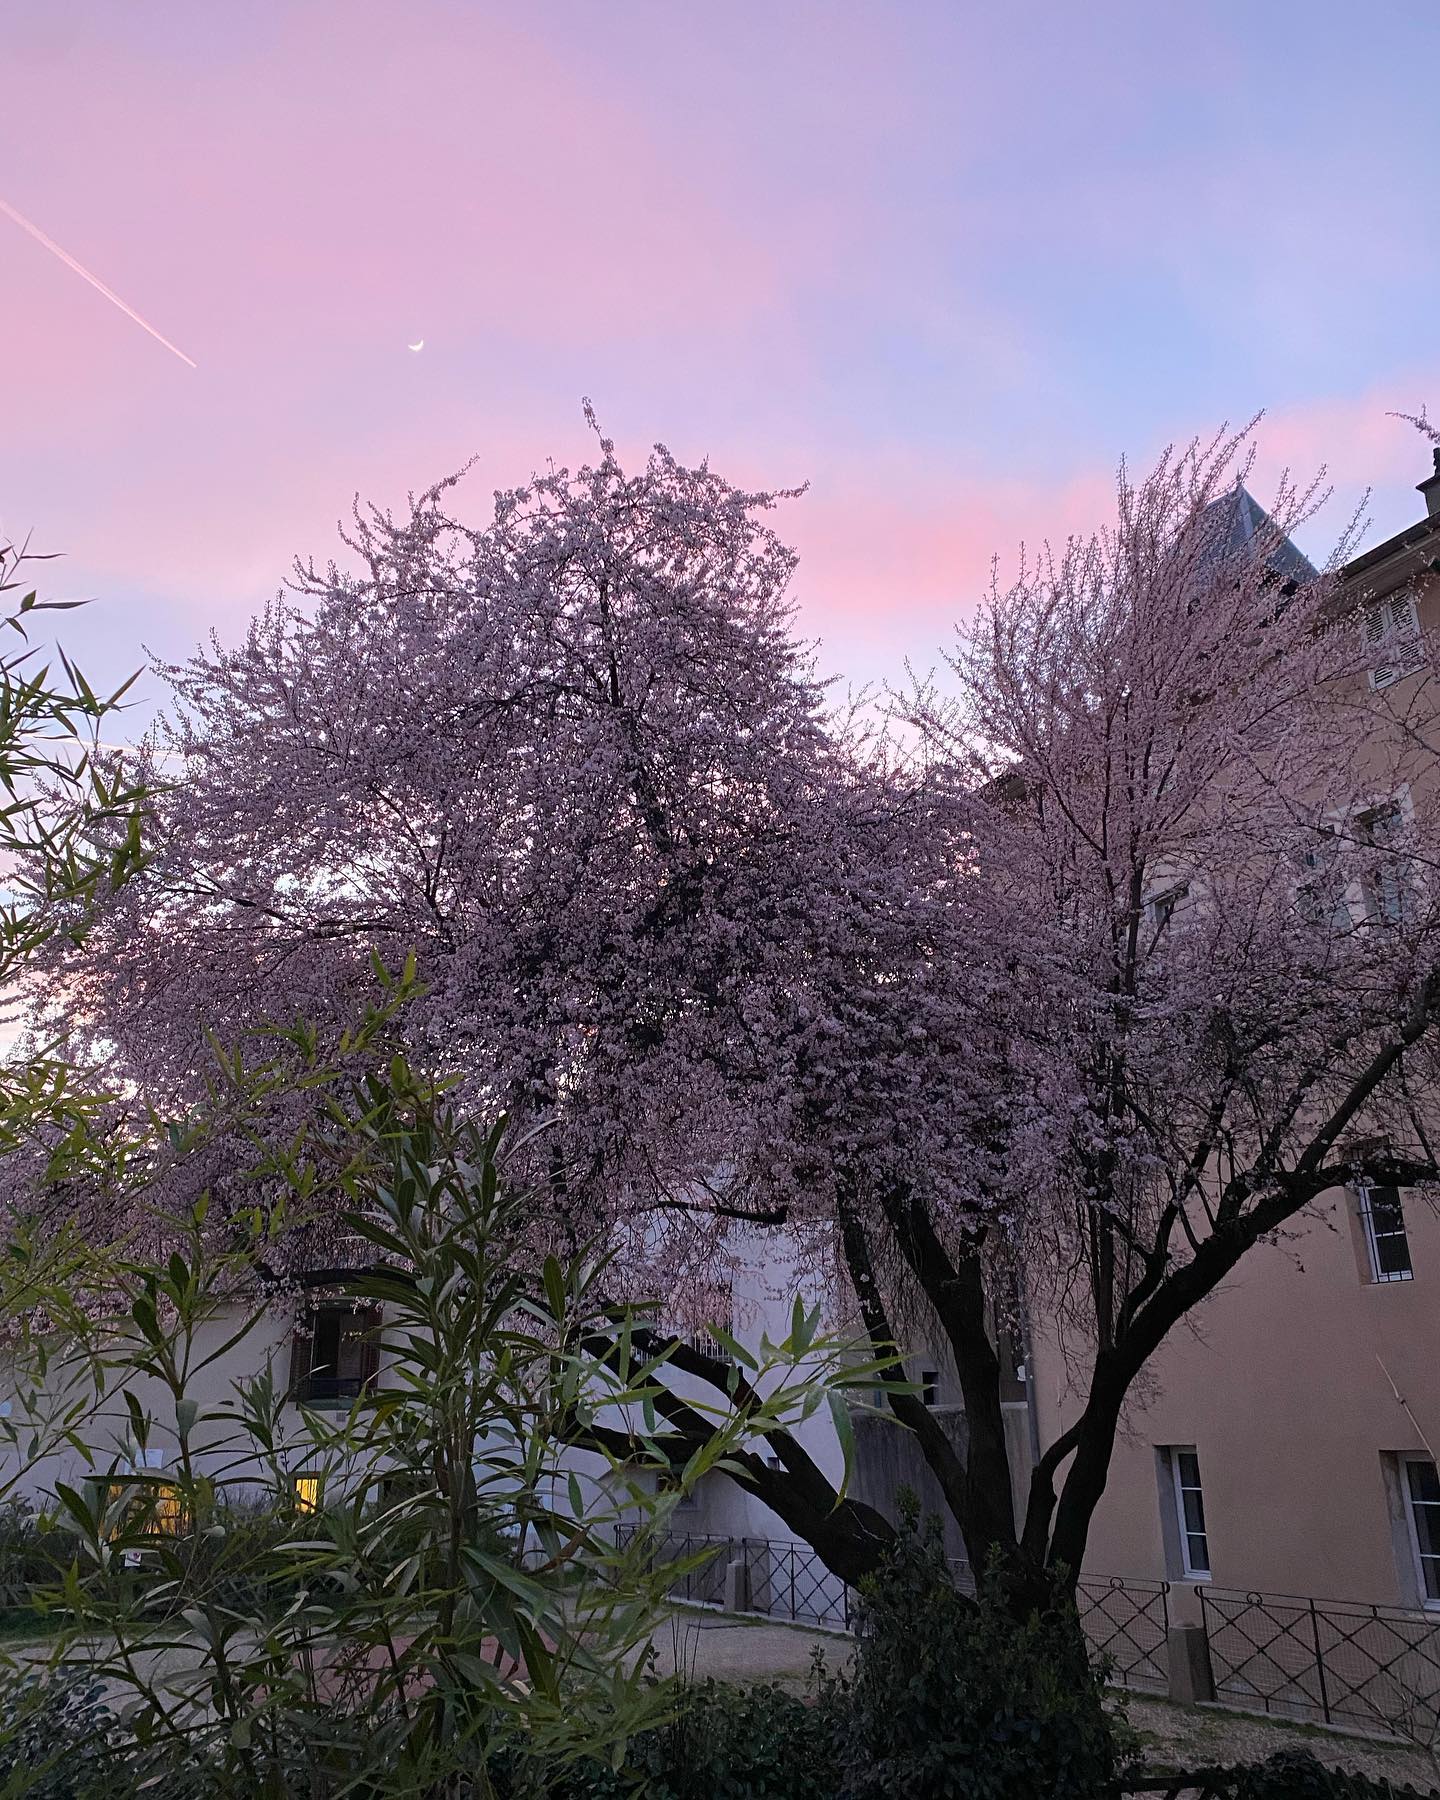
1239 517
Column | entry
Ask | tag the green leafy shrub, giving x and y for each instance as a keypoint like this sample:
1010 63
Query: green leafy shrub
58 1741
33 1558
459 1591
725 1742
957 1699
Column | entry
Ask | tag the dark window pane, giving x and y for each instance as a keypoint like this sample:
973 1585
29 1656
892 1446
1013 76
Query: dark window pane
1197 1552
1392 1254
1386 1210
1385 1224
1188 1466
1424 1485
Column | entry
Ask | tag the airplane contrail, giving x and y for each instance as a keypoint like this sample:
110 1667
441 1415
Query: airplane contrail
94 280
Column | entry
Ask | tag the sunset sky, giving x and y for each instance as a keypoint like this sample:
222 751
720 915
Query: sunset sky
945 261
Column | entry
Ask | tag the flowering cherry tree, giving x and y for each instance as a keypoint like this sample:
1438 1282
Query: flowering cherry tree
1210 866
1093 972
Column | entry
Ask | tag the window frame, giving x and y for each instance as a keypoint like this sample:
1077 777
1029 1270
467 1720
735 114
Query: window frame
300 1390
1189 1570
307 1488
1165 907
1421 1557
1365 1211
1390 630
1319 901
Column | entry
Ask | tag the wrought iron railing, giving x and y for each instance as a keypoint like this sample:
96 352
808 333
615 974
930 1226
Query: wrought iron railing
1370 1667
1127 1625
701 1582
1125 1621
1364 1666
789 1581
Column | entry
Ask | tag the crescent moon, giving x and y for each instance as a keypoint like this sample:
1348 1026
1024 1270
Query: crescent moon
419 346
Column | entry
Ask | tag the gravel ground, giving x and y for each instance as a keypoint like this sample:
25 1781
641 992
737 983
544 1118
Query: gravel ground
704 1643
1193 1736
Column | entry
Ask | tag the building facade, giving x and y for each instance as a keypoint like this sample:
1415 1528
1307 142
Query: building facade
1287 1441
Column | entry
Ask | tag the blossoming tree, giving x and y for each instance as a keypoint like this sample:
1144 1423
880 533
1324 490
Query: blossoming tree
1089 977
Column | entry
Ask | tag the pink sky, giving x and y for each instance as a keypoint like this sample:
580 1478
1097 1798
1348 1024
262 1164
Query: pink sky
945 263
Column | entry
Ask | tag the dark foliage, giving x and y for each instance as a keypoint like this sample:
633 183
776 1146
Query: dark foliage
1287 1775
725 1743
58 1741
957 1699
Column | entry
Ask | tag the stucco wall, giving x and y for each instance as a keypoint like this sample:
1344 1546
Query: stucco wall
1278 1383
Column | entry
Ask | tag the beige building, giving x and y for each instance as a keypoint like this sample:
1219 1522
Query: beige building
1289 1441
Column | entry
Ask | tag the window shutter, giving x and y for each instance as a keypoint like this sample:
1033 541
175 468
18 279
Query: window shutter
1405 621
302 1350
1376 623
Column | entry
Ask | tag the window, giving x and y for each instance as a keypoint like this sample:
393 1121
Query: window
307 1493
335 1356
1163 907
1321 893
1383 1220
929 1386
1391 630
1386 887
143 1506
719 1310
686 1499
1182 1463
1422 1506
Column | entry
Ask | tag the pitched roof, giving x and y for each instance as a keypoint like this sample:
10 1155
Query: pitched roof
1239 517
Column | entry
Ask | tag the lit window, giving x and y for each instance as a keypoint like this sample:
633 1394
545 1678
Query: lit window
153 1508
1383 1219
307 1493
169 1514
1422 1495
1182 1463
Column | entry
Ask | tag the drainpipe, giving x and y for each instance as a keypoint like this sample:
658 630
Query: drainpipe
1027 1346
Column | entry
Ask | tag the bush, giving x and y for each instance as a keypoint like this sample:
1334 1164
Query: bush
33 1559
58 1741
725 1743
958 1699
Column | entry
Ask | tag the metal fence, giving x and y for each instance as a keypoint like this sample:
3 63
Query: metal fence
789 1581
1127 1625
1364 1666
1368 1667
1125 1622
702 1555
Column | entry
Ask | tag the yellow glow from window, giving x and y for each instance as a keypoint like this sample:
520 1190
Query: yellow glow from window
154 1508
307 1493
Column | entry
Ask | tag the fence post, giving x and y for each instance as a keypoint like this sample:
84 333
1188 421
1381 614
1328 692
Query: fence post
737 1585
1319 1662
1190 1677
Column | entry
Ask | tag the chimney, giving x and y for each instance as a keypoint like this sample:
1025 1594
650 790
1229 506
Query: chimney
1430 488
